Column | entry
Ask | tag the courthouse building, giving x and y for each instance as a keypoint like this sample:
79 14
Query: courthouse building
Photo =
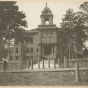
44 39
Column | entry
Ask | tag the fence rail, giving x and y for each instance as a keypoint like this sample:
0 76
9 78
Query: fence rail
77 60
71 62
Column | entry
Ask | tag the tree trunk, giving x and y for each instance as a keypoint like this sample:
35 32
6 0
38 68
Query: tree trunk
0 49
9 51
72 53
21 51
0 45
61 56
75 50
69 50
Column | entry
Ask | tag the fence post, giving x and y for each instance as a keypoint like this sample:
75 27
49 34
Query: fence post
28 63
54 64
48 63
38 63
58 62
77 72
43 63
20 64
21 67
11 66
31 63
65 62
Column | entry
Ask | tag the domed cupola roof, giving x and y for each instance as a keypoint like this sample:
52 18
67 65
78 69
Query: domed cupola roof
46 8
46 11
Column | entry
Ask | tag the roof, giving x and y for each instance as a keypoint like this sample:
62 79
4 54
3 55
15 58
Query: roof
46 11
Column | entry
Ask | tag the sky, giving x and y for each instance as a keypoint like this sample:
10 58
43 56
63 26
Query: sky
33 8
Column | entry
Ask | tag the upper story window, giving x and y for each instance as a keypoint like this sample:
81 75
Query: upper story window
31 57
16 50
37 49
27 50
43 34
52 39
17 58
31 50
30 41
27 57
51 33
47 33
10 58
43 40
16 43
47 39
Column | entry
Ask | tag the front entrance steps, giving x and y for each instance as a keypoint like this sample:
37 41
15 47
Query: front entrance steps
35 66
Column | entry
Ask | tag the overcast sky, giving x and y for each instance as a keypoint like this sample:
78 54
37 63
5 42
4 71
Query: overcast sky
33 8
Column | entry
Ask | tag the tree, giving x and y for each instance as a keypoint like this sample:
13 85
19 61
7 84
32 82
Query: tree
67 25
73 31
12 21
84 10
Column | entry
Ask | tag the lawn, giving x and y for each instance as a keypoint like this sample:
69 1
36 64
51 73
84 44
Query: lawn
65 78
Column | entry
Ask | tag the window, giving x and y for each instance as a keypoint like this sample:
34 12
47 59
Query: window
51 33
17 43
47 23
31 50
52 39
30 41
17 58
42 34
10 51
27 57
47 33
37 49
24 57
16 50
43 40
31 57
10 58
27 50
48 39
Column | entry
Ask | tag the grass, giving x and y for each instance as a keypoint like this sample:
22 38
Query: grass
66 78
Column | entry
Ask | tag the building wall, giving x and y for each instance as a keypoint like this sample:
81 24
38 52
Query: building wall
35 47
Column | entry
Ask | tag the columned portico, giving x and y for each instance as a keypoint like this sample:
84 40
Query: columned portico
48 50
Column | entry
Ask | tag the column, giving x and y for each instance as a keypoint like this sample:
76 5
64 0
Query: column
42 51
55 50
52 50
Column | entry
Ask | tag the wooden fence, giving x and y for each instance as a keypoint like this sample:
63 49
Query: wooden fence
29 64
83 63
11 65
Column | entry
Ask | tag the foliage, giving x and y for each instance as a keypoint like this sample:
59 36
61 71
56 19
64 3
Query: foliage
72 32
12 21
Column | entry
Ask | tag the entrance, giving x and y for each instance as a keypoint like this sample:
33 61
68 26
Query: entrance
47 51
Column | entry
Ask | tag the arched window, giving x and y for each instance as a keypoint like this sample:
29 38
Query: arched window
47 23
